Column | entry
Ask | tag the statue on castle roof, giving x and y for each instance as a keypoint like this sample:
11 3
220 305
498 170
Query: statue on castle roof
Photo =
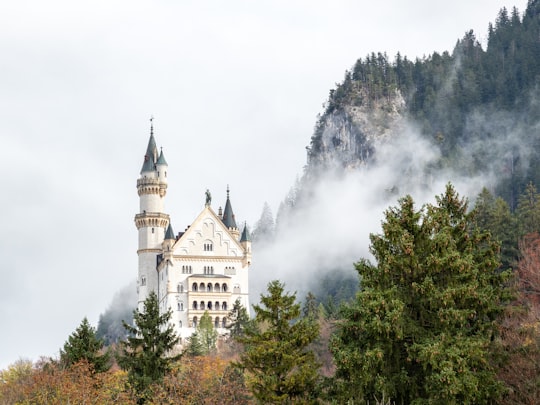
208 198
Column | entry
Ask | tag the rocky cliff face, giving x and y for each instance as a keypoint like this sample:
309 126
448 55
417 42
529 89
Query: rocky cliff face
345 136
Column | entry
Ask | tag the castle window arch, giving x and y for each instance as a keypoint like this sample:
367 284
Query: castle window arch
180 323
195 321
216 322
216 305
209 287
202 287
217 287
194 304
224 323
143 280
194 287
202 305
224 306
209 305
224 287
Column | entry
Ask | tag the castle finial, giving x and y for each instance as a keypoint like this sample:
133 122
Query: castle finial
227 191
151 125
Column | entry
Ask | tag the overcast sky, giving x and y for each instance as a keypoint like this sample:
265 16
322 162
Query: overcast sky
235 88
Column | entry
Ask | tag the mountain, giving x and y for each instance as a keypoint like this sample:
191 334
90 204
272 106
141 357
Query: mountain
479 108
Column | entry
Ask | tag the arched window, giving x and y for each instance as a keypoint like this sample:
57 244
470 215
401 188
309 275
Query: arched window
209 305
202 306
181 306
224 323
209 287
194 287
202 287
195 321
194 304
143 280
180 323
224 306
224 287
217 288
217 306
216 322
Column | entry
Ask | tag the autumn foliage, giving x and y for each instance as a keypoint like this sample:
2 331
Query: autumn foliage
198 380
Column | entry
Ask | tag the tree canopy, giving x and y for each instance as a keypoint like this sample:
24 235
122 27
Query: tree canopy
84 345
146 354
422 328
280 368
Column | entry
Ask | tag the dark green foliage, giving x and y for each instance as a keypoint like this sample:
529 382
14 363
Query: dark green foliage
493 215
146 354
195 346
459 100
84 345
422 327
280 368
238 320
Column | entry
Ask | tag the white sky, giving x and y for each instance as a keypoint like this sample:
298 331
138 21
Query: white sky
234 87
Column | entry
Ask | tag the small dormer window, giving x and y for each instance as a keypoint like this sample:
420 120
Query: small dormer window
143 280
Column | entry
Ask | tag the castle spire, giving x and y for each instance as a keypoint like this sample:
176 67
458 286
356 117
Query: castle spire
228 215
151 156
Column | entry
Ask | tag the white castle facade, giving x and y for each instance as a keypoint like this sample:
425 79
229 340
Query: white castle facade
204 268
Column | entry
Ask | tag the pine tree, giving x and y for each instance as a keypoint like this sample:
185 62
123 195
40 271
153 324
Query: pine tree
146 352
280 368
84 345
195 346
238 320
265 226
422 327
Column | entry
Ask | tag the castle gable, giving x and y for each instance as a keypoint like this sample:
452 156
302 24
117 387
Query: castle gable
207 236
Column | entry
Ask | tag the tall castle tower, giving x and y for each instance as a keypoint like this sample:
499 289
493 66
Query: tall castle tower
151 221
202 270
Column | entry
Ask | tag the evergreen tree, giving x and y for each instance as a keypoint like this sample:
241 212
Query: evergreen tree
528 210
239 320
422 327
207 333
265 226
84 345
195 346
146 352
280 368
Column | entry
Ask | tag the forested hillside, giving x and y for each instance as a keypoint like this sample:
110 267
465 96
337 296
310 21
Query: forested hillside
480 107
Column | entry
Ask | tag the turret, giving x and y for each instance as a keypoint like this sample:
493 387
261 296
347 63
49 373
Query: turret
228 217
151 221
245 242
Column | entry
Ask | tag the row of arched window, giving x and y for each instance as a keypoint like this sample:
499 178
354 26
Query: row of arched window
187 270
209 306
208 269
209 287
217 322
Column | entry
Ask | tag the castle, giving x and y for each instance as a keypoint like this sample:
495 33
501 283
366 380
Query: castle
204 268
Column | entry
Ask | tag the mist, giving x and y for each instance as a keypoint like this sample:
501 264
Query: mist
328 229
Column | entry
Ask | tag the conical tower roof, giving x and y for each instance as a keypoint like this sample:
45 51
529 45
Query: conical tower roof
150 158
246 237
169 234
161 160
228 215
